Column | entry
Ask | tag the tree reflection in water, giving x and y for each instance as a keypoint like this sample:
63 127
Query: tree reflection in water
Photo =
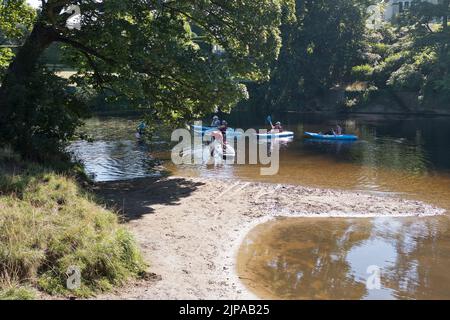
327 258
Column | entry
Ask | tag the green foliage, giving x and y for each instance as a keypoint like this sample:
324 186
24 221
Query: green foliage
412 73
16 19
47 112
380 49
147 53
319 51
161 68
407 77
6 56
363 72
16 292
411 55
48 224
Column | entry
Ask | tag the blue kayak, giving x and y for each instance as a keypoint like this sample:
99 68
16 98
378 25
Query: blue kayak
347 137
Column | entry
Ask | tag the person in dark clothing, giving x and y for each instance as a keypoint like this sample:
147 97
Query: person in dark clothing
223 128
335 131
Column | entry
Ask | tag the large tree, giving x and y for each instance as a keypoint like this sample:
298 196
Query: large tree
156 53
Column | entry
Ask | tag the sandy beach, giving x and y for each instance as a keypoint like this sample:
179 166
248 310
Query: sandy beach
190 229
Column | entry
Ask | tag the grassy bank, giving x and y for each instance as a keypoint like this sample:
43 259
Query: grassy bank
49 224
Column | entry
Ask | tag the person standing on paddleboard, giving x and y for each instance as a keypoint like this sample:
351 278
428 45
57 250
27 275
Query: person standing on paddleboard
223 128
140 130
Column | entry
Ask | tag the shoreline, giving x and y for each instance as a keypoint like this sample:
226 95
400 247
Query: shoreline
190 229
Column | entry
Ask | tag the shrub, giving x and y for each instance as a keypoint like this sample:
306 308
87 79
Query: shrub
6 56
380 48
42 116
407 77
394 61
363 72
47 224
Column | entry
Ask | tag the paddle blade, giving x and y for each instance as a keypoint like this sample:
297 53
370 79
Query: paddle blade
269 119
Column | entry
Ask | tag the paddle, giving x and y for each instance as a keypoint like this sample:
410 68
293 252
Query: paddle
269 120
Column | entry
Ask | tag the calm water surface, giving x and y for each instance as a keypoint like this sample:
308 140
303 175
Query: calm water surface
307 258
323 258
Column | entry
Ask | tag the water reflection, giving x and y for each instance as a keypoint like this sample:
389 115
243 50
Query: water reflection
328 258
114 153
114 160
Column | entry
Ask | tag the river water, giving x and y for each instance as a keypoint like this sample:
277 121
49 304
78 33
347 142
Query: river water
306 258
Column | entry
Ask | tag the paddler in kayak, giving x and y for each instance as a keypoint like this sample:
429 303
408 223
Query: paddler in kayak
277 128
334 131
215 122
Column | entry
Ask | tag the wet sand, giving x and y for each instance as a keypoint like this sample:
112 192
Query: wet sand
190 229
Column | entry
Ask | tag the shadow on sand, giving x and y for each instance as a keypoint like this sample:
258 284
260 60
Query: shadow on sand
134 198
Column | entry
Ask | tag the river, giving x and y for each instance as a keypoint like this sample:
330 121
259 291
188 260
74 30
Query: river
306 258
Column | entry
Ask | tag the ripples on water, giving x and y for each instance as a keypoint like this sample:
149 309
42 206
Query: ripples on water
114 153
408 156
114 160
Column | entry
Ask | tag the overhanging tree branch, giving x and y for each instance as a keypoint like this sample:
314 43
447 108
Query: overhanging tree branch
83 48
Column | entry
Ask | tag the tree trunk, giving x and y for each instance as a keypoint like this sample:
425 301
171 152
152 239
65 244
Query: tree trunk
13 107
26 59
446 4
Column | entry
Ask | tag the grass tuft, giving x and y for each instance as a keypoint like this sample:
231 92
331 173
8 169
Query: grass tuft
49 224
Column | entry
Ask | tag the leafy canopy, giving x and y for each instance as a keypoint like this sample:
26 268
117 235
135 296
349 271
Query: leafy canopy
16 19
157 54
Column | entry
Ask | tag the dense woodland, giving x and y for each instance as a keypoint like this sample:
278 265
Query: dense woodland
333 58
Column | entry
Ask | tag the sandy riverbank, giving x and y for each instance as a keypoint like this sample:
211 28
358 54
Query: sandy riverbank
190 229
